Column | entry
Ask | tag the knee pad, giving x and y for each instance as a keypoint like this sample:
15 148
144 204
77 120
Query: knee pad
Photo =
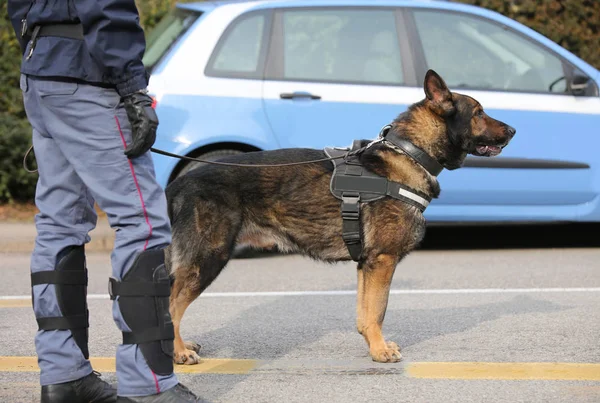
144 304
70 284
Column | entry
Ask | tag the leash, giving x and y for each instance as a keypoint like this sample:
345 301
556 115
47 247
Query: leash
25 161
183 157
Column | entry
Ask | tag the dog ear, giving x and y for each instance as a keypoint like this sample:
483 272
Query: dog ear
438 94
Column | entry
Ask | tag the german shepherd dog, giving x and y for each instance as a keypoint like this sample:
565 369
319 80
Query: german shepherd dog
214 208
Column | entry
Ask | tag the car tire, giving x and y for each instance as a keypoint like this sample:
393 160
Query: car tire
209 156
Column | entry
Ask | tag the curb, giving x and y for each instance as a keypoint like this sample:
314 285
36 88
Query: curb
97 244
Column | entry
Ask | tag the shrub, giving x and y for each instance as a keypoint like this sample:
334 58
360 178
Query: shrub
573 24
16 184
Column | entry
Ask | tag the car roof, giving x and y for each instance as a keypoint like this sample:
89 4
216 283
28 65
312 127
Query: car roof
259 4
295 3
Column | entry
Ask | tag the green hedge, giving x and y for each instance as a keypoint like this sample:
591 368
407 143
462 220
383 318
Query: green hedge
15 183
574 24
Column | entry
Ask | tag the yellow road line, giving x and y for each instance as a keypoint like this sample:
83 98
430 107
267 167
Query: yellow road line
15 303
505 370
107 364
423 370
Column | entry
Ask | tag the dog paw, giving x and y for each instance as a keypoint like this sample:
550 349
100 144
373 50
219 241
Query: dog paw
186 357
190 345
389 353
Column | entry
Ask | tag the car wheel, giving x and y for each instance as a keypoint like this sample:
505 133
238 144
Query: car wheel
209 156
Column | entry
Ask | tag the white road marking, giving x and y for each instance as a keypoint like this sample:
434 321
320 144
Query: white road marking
327 293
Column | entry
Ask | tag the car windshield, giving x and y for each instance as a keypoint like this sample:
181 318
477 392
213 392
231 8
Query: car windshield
166 33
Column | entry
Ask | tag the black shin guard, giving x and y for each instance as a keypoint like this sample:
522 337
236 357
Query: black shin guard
144 303
70 283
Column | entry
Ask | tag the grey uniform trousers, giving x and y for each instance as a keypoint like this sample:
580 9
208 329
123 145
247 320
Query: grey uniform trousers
79 135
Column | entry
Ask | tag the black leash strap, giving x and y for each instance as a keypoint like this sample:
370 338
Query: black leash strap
25 167
183 157
168 154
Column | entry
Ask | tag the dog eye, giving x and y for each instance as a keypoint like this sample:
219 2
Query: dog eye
480 114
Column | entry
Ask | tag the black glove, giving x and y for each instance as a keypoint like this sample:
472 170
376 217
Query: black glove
143 121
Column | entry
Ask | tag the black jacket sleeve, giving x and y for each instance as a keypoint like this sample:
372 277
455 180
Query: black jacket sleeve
116 41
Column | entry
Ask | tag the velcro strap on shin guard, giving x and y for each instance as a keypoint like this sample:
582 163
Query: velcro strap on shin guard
148 335
143 298
63 322
70 279
139 289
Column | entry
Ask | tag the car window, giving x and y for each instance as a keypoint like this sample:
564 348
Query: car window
166 34
355 46
239 50
469 52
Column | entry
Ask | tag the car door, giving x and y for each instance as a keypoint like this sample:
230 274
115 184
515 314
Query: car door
336 74
552 159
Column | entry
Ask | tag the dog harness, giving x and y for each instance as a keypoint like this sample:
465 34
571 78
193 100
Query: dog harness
353 184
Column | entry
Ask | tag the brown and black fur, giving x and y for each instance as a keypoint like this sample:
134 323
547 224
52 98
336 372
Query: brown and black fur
215 208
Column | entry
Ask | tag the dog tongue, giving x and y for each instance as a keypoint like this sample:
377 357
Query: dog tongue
482 149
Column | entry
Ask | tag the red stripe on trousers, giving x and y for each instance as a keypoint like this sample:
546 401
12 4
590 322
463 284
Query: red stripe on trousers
139 190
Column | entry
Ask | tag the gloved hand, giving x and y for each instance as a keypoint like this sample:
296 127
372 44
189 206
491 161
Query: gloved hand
143 121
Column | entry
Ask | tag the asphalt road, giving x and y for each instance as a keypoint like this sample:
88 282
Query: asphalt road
289 324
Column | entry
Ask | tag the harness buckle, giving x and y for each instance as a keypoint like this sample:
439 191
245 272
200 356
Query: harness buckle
351 237
350 206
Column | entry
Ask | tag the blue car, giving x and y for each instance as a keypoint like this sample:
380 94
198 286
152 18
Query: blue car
234 77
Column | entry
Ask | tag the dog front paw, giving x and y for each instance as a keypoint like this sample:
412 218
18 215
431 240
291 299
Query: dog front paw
190 345
390 352
186 357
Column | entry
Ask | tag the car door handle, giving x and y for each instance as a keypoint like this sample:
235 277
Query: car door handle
298 94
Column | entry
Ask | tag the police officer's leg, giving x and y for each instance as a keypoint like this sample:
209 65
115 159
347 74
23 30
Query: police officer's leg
94 131
59 274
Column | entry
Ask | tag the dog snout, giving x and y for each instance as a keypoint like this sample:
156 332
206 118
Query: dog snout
510 130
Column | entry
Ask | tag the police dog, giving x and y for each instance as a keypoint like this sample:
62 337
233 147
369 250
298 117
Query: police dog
214 208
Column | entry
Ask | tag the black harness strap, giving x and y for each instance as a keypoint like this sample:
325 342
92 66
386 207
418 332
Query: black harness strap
353 184
351 224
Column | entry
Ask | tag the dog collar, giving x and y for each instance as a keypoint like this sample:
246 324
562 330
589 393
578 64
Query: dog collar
416 153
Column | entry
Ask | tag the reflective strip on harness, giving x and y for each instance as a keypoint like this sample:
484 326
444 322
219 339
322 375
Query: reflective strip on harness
413 196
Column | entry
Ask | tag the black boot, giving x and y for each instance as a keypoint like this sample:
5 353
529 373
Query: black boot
89 389
177 394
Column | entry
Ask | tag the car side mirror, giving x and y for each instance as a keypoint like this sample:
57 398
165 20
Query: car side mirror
579 84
